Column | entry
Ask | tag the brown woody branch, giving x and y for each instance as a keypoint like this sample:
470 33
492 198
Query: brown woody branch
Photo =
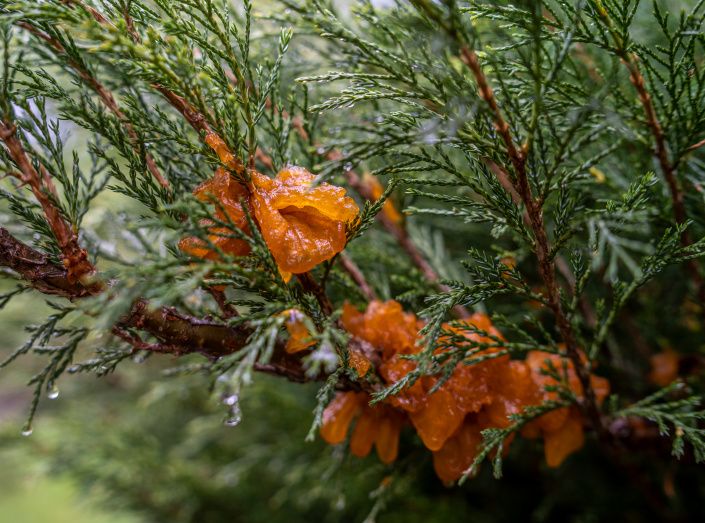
178 334
356 274
75 258
669 172
542 249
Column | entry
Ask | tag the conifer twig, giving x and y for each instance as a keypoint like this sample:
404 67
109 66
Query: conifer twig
503 177
542 249
105 96
356 274
178 334
311 286
669 172
75 258
399 234
630 61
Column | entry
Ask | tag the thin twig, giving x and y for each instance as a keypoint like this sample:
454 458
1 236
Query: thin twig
356 274
96 15
226 308
130 25
105 95
542 249
75 258
398 232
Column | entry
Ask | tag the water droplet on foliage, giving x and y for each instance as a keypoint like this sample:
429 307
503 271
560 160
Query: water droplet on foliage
53 393
231 400
320 150
27 431
234 417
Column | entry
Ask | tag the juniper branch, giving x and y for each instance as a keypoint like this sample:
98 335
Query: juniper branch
178 333
668 167
399 234
105 96
44 191
517 158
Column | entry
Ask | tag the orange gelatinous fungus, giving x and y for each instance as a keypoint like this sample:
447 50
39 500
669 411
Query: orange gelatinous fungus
302 225
298 332
438 420
377 190
359 362
228 192
200 249
481 395
459 451
226 156
559 444
378 425
365 431
339 414
664 368
387 442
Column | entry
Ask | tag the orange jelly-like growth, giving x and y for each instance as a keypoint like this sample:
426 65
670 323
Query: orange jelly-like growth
474 398
303 224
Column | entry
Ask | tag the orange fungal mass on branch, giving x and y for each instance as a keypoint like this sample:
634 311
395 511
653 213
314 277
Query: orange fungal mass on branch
377 190
664 368
302 223
476 397
298 333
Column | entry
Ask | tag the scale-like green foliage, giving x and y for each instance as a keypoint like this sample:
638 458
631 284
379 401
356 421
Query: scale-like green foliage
603 99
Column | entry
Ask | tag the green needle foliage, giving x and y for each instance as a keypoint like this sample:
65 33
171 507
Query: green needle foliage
563 135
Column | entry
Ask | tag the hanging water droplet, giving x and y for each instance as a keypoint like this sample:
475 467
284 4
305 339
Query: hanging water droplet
380 119
320 150
287 10
53 393
348 166
27 431
231 400
234 417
